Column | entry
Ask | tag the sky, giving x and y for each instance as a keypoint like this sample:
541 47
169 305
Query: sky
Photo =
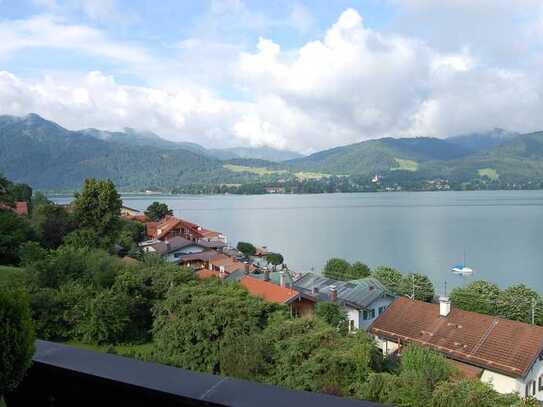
297 75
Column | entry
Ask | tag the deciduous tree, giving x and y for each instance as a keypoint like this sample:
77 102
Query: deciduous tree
157 210
246 248
389 277
478 296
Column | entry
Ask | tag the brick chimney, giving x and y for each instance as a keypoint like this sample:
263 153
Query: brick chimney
282 278
246 268
333 293
444 306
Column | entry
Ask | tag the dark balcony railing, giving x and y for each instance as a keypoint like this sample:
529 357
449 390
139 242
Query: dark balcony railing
63 375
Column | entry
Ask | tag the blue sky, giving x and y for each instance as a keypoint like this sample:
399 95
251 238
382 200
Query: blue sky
302 75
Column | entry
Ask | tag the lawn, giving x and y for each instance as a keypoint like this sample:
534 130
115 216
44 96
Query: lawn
253 170
406 165
11 276
303 176
489 172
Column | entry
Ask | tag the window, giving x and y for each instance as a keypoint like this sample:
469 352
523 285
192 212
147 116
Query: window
533 388
351 325
368 314
382 309
541 382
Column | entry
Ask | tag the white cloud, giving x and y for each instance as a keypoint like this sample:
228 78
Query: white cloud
46 31
354 83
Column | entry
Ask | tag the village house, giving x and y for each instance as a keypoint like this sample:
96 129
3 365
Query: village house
170 227
506 354
279 294
173 249
363 300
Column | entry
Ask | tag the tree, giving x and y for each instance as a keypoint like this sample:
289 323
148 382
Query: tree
274 259
389 277
478 296
51 222
418 284
16 339
359 270
332 314
308 354
421 371
30 252
195 321
246 248
97 208
130 235
473 392
337 269
517 303
157 210
15 231
106 318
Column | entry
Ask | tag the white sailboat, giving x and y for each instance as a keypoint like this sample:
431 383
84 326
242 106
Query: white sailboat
462 269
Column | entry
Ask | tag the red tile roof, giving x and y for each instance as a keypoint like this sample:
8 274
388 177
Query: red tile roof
204 274
496 344
21 208
268 291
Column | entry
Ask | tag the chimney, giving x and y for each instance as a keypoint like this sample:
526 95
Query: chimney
246 268
333 293
266 274
444 306
282 278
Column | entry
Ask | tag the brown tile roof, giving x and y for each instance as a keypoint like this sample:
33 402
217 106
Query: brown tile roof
500 345
204 274
137 218
268 291
467 371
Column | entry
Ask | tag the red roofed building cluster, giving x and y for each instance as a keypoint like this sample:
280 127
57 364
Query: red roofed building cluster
506 354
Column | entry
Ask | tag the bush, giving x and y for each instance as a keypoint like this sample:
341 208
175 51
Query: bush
16 338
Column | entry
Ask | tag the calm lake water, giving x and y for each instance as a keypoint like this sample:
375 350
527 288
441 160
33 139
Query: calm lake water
501 232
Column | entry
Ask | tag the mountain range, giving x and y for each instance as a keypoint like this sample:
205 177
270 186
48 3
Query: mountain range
47 156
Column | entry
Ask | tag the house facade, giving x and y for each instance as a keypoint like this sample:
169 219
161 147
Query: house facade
363 300
171 227
505 354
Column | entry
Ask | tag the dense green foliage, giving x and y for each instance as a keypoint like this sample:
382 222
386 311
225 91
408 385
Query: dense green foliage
275 259
157 210
332 314
16 338
248 249
517 302
56 158
51 222
97 211
389 277
339 269
417 286
15 231
195 321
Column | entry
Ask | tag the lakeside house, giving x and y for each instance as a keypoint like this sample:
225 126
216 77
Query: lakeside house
506 354
170 227
174 249
363 300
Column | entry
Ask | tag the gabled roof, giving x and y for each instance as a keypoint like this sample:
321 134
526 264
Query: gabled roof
268 291
500 345
357 293
203 256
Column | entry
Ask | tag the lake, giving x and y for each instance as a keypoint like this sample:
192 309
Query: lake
427 232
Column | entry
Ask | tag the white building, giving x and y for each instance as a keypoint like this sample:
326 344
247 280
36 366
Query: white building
506 354
363 300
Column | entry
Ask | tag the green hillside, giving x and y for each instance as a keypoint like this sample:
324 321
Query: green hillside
49 157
